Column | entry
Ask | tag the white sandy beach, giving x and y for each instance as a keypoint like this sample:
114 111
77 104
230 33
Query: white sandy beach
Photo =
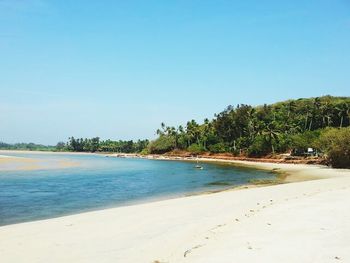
305 221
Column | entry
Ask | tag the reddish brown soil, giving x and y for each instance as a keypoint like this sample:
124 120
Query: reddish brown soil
268 159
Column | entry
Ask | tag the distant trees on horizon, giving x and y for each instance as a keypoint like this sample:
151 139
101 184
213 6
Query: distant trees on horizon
288 126
95 144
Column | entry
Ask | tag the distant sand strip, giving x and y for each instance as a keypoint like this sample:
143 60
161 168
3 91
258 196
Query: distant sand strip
15 163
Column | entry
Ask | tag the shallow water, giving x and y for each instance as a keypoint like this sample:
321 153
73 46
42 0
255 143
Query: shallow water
99 182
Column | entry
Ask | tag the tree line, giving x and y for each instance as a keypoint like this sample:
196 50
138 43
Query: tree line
26 147
292 125
288 126
97 145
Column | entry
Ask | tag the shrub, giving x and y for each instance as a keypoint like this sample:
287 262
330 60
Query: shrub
259 147
304 140
336 144
145 151
161 145
218 148
196 148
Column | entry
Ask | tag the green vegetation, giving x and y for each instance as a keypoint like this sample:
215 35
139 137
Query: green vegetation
336 143
26 147
96 145
83 145
290 126
162 145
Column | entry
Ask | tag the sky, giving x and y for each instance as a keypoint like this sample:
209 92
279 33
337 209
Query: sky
117 69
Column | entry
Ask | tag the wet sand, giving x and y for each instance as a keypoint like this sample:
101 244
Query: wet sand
14 163
303 221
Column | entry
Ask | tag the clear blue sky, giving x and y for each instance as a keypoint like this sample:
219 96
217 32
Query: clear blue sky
117 69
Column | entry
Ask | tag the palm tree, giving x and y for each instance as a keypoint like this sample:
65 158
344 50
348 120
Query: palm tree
192 129
343 111
163 130
251 122
326 111
316 110
205 131
307 112
291 107
271 133
173 133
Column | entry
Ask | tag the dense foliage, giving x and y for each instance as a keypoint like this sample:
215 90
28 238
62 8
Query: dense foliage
26 147
336 144
292 125
82 145
95 144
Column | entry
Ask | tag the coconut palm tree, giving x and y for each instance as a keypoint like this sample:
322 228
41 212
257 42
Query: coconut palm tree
271 133
326 111
290 108
343 111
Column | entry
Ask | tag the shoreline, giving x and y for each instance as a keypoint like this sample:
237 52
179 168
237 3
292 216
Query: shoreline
294 172
291 172
233 164
246 225
166 156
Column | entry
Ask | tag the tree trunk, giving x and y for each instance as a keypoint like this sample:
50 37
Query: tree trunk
341 121
310 125
305 123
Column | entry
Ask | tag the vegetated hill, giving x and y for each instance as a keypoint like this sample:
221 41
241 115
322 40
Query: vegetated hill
292 125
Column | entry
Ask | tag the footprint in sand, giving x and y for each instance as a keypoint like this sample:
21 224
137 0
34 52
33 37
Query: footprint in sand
190 250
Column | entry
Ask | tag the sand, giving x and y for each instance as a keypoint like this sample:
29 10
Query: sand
15 163
307 221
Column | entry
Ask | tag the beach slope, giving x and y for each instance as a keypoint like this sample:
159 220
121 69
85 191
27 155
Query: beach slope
305 221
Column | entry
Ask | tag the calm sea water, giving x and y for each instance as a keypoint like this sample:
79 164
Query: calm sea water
100 182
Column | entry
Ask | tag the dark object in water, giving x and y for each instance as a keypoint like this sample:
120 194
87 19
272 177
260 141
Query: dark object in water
199 167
